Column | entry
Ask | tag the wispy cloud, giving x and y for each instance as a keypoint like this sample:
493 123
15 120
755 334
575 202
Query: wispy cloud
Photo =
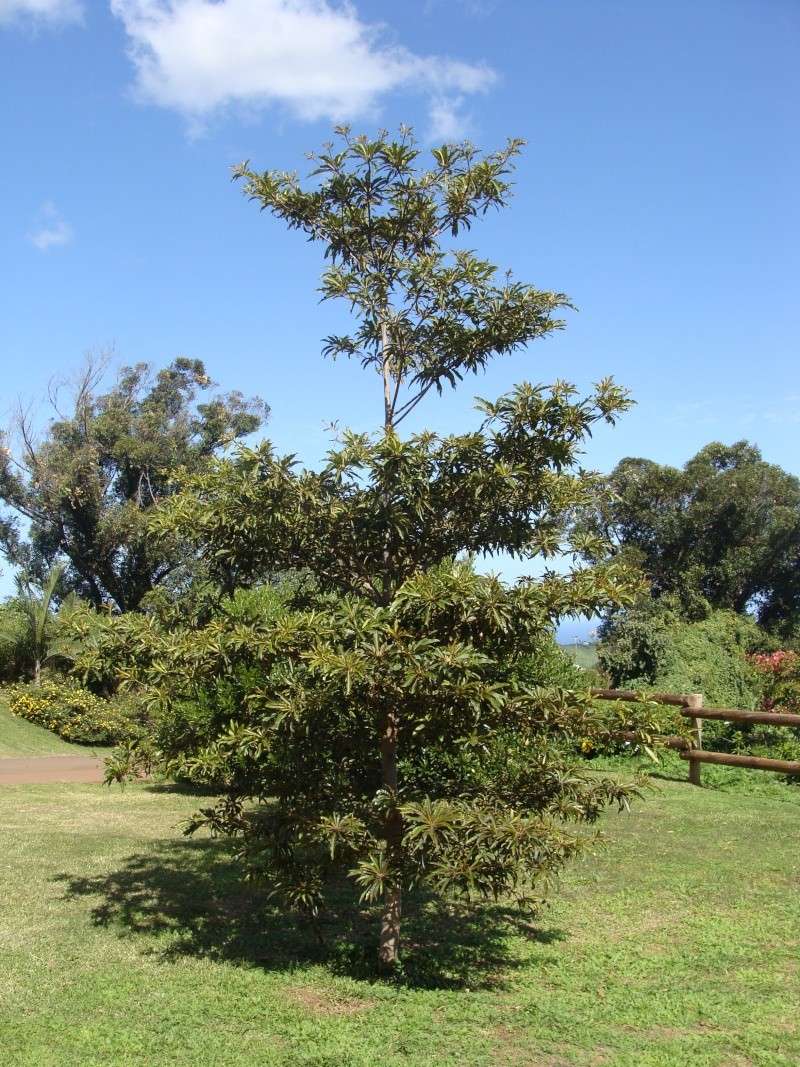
40 11
737 414
315 58
447 119
51 229
476 8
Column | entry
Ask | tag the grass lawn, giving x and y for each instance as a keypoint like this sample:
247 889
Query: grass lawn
584 655
121 942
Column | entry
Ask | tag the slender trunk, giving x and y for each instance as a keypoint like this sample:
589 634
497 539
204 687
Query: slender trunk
389 946
387 378
37 671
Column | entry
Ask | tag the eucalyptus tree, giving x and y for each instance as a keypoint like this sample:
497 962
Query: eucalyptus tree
382 718
721 532
80 494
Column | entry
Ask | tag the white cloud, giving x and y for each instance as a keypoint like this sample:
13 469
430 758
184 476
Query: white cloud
317 58
447 122
52 230
52 11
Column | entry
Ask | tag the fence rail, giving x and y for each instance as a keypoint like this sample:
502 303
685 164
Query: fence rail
692 750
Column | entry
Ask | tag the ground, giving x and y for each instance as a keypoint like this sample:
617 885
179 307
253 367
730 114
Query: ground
584 655
29 753
677 942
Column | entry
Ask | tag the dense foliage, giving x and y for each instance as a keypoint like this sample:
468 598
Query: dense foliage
16 653
722 656
83 493
722 532
381 717
780 672
654 647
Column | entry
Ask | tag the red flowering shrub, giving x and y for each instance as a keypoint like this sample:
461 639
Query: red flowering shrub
781 671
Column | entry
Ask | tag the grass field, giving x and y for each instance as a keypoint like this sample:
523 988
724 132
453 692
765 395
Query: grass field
584 655
122 942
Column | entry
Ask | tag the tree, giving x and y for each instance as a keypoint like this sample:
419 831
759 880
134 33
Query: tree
86 489
381 718
14 641
37 606
721 532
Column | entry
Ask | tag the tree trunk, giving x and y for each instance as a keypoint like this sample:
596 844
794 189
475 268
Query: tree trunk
37 671
389 946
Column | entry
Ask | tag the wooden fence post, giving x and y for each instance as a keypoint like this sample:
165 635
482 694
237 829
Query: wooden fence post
695 700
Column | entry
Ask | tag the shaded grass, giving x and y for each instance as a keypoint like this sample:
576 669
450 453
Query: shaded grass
18 737
128 944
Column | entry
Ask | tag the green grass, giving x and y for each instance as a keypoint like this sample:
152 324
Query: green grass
584 655
122 942
21 738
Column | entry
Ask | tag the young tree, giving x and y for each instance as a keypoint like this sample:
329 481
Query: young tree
86 489
37 605
382 717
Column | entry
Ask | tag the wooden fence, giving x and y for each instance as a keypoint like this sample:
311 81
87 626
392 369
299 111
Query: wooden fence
691 705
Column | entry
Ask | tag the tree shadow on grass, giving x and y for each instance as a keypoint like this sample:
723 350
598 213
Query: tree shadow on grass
187 898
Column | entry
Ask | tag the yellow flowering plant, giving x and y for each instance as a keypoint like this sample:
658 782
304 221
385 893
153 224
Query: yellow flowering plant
73 712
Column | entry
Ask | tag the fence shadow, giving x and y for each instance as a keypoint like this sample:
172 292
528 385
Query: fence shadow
186 898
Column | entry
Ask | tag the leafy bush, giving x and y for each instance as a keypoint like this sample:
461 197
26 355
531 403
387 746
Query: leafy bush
15 643
550 666
652 647
74 713
712 657
634 644
780 672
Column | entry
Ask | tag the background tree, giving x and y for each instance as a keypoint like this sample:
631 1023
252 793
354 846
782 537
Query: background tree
721 532
83 493
37 605
382 719
14 641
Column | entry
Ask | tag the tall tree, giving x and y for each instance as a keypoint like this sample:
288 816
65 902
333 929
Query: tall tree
723 531
84 491
382 719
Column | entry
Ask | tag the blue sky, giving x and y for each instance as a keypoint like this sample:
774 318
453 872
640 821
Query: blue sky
658 189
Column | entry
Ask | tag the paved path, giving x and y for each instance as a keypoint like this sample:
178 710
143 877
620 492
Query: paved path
31 770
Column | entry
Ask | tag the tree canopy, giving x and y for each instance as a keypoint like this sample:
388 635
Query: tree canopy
722 532
82 494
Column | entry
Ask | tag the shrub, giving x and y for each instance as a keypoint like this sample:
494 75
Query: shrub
780 672
712 657
74 713
550 666
15 643
634 643
652 647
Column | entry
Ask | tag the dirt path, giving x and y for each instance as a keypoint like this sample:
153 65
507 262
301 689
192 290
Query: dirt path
32 770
